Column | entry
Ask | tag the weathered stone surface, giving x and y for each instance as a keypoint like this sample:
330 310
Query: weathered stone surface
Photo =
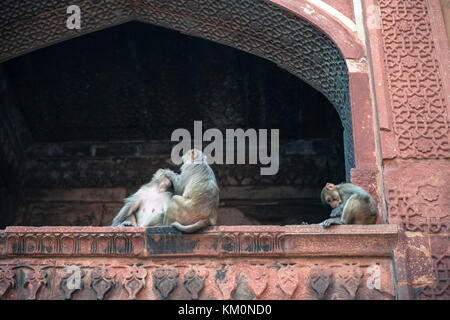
218 263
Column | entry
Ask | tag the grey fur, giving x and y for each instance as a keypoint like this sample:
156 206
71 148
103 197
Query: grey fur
154 194
196 192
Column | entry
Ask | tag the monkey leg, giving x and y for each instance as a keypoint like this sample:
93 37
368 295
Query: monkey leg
358 211
124 213
178 210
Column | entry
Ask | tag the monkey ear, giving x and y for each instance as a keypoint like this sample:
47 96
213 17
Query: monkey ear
193 154
330 186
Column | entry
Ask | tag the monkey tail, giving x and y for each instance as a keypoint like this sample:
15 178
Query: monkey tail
191 227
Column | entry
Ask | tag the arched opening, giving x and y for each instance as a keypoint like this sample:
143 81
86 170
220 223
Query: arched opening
101 109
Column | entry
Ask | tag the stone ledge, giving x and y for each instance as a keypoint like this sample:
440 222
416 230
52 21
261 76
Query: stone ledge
220 241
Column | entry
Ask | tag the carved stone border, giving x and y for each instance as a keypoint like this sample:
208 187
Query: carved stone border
224 241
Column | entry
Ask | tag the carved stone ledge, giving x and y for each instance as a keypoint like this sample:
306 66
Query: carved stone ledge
222 241
226 262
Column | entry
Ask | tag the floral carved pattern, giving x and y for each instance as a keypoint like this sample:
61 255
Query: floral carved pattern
134 280
102 281
420 115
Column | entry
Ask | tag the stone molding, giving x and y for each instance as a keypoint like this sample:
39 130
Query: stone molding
222 241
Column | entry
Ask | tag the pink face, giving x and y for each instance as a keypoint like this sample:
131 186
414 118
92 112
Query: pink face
166 183
333 202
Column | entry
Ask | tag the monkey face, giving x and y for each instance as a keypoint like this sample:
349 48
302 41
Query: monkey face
334 203
193 156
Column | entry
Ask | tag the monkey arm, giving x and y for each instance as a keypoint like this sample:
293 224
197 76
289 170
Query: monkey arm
337 212
176 181
124 213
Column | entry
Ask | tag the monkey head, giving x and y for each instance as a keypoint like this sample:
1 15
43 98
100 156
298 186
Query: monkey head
193 156
330 195
163 182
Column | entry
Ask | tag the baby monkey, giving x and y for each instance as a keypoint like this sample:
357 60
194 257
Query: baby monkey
148 205
351 205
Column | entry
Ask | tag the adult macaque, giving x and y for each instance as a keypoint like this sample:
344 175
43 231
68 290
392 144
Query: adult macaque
196 201
147 206
351 205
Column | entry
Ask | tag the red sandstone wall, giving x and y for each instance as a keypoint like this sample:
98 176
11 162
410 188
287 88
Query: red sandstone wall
410 57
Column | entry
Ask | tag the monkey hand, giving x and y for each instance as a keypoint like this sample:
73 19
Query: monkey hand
329 222
325 224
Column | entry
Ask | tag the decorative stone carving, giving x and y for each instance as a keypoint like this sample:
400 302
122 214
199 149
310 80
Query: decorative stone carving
255 243
102 281
287 278
37 279
258 276
416 196
62 241
134 280
319 280
6 280
374 279
420 114
225 280
347 282
165 281
72 281
194 281
441 290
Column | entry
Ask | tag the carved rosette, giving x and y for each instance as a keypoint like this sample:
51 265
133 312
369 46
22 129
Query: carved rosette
319 280
165 281
194 281
102 281
134 280
419 202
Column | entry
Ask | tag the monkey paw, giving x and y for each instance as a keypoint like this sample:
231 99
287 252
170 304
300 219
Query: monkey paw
325 224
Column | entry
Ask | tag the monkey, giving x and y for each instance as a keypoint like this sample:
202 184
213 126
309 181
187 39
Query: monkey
196 201
148 205
351 205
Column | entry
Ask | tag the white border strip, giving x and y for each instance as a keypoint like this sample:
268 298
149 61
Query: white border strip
335 13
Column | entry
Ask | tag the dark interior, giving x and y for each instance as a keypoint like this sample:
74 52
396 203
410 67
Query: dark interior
90 119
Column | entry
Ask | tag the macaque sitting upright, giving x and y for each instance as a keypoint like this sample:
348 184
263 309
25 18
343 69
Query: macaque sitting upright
148 205
196 201
351 205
